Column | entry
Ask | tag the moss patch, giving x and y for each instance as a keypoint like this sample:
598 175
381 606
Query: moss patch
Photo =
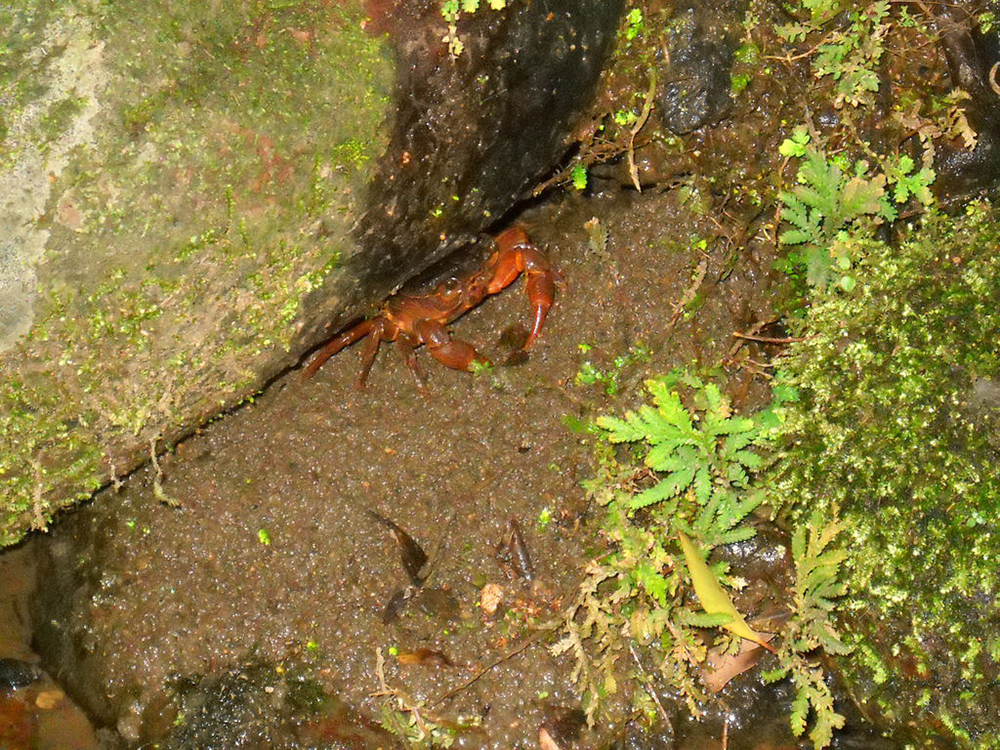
230 148
900 427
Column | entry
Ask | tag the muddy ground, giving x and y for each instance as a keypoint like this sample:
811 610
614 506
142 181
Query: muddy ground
271 558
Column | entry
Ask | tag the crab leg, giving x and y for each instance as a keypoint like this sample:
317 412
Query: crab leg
450 352
541 293
378 332
406 345
345 339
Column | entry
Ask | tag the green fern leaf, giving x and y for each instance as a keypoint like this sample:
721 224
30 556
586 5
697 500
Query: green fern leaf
670 456
862 197
818 266
749 459
773 675
651 580
796 237
732 426
739 534
662 490
620 430
740 440
800 711
702 485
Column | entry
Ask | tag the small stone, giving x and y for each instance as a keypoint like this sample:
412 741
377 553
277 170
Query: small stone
490 598
49 699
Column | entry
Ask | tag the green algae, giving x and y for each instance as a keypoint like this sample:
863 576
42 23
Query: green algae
899 427
228 156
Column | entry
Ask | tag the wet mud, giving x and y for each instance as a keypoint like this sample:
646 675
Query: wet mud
285 536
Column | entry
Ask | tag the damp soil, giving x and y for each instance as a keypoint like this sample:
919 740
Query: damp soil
271 556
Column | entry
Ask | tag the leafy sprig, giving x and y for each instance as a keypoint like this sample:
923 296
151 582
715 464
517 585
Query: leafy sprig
702 457
835 203
817 585
849 55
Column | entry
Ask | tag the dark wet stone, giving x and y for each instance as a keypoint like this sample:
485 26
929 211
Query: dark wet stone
971 56
255 707
472 135
232 711
15 674
564 724
695 71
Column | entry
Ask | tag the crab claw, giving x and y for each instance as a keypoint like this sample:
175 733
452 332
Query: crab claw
541 293
517 255
450 352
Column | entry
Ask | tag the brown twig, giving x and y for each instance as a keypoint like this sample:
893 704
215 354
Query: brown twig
39 519
647 107
532 639
772 339
649 689
690 293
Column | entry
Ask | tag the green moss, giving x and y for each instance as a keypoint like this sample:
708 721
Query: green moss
900 427
223 139
59 117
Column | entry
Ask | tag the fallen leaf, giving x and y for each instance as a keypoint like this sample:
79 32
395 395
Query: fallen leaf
48 699
425 657
545 741
723 667
714 600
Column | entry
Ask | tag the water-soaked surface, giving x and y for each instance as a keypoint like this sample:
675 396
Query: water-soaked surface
35 712
271 556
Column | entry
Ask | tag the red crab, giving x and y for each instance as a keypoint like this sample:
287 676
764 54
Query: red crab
414 320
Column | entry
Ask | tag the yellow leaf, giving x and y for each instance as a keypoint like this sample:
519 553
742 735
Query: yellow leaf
714 600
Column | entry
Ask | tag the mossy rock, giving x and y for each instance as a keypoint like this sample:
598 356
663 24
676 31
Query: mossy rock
899 427
177 179
196 194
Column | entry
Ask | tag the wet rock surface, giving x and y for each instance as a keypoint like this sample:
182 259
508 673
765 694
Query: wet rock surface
473 133
15 673
696 64
972 56
150 592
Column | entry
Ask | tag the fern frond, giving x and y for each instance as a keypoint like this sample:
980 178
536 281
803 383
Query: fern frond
662 490
627 430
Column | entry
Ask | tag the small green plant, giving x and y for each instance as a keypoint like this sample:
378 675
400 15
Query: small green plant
849 55
829 198
698 463
451 12
705 456
817 567
836 204
609 379
408 718
634 24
